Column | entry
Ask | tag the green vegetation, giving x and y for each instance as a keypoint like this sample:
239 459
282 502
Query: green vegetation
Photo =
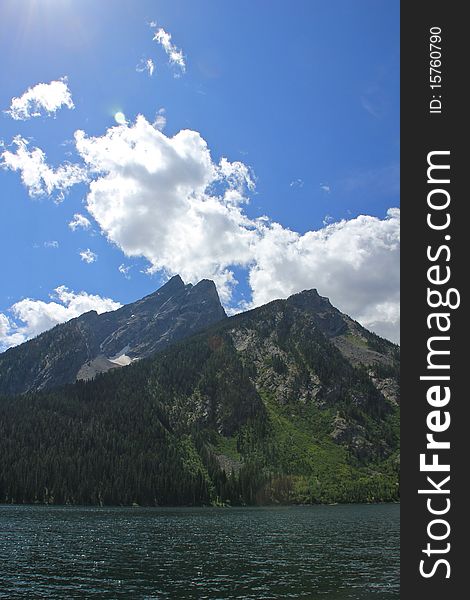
357 341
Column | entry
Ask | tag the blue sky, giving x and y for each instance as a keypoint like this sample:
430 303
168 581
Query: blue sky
305 94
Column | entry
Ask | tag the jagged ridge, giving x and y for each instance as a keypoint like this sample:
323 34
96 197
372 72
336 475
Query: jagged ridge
94 343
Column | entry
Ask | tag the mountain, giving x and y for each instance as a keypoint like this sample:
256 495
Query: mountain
292 402
92 343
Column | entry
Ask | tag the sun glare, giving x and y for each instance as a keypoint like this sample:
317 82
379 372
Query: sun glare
120 118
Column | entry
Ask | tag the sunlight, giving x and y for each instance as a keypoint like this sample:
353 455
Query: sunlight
120 118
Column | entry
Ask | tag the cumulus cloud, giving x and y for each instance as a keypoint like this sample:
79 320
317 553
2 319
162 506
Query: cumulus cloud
41 99
51 244
40 178
151 197
354 262
32 317
175 55
146 64
88 256
165 199
79 222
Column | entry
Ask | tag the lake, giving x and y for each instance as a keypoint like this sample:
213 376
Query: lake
341 552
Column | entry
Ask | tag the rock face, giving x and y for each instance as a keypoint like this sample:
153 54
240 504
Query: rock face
92 343
304 353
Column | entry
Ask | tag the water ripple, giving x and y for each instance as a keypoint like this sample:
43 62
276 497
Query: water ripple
334 552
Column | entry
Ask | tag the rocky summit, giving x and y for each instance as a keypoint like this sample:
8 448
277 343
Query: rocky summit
92 343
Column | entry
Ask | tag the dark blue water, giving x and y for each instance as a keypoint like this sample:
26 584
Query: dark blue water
335 552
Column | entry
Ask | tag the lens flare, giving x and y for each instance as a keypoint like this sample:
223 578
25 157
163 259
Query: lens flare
120 118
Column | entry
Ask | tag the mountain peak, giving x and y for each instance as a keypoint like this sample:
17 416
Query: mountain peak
206 285
310 299
176 279
92 343
174 283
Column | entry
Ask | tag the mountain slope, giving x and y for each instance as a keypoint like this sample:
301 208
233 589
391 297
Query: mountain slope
290 402
92 343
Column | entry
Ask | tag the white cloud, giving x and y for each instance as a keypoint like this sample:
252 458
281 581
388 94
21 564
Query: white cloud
325 187
146 64
43 98
32 317
9 333
160 119
79 222
165 199
51 244
355 263
175 55
88 256
383 318
124 270
297 183
150 197
37 175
